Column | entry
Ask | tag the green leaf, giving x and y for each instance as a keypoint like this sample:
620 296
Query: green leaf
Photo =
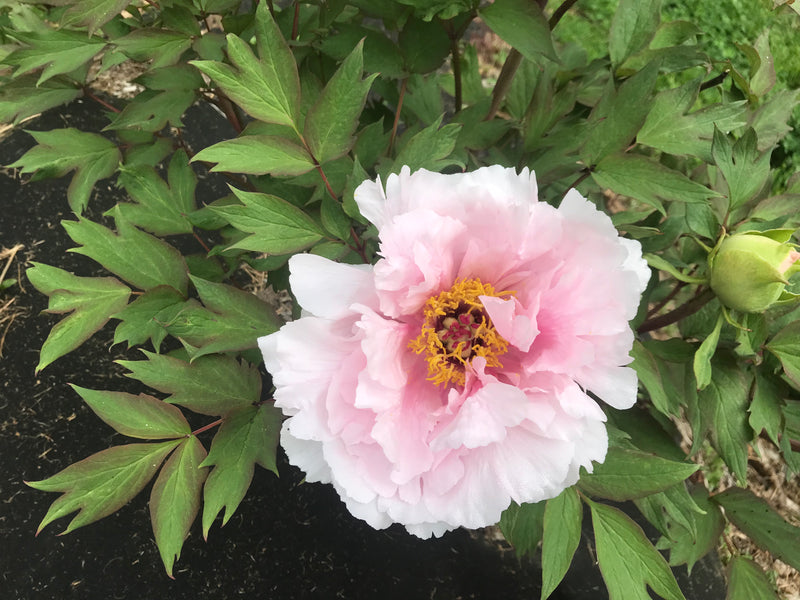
103 483
247 437
616 119
141 416
786 346
138 322
91 14
430 148
139 258
627 559
22 98
723 406
761 523
522 525
231 320
656 378
630 474
277 226
59 151
668 127
152 110
633 26
648 181
211 385
771 120
160 208
746 581
657 262
744 168
765 409
562 532
175 499
332 120
92 301
161 46
57 50
670 510
381 54
424 45
268 88
704 354
687 547
522 25
257 155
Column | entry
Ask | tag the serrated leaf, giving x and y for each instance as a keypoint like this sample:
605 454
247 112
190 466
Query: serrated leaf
771 120
175 499
92 301
522 525
247 437
669 128
152 110
765 408
627 559
761 523
59 151
618 116
138 322
161 46
332 120
103 483
744 168
57 50
268 88
562 532
723 406
786 346
91 14
231 320
257 155
277 227
746 581
160 208
633 26
648 181
629 474
210 385
22 98
430 148
654 376
139 258
689 547
141 416
704 354
522 25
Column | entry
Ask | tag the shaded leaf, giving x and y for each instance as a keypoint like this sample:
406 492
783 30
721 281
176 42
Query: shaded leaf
687 547
522 525
175 499
633 26
629 474
138 322
103 483
746 581
141 416
22 98
430 149
92 301
57 50
91 14
59 151
522 25
247 437
210 385
744 168
765 409
704 354
786 346
161 46
761 523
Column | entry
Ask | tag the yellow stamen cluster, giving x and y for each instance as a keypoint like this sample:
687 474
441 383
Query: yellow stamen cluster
456 329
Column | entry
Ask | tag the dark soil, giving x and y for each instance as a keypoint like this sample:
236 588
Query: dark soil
287 540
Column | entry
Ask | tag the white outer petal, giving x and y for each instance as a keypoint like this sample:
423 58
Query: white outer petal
326 288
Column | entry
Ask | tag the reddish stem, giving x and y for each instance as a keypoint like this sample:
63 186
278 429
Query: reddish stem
296 21
683 311
325 181
202 243
88 93
402 95
207 427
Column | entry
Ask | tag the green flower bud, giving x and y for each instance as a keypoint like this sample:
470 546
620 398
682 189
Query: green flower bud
750 270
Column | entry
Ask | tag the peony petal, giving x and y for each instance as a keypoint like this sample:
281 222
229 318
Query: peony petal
371 202
513 322
326 288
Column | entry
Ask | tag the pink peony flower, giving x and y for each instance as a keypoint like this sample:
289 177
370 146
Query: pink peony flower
451 377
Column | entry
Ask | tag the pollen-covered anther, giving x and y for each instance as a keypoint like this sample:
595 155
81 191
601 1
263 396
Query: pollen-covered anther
456 329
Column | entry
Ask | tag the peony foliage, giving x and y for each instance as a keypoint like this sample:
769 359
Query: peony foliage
512 289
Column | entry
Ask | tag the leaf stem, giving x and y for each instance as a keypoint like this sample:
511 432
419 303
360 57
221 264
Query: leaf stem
560 12
89 94
683 311
296 20
503 84
202 243
400 99
204 428
456 62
